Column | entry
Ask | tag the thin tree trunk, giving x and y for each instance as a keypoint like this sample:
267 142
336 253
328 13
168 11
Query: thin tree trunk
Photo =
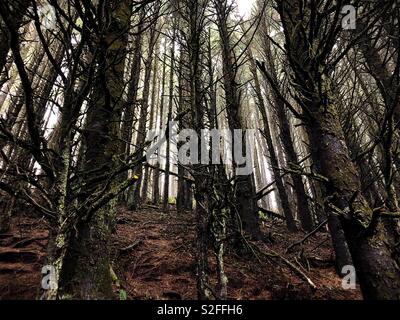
134 199
153 116
169 118
156 173
277 176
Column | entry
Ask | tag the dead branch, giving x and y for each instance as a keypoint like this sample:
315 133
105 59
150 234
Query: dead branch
131 246
310 234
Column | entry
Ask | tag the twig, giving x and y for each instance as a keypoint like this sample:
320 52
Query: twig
320 244
319 227
296 270
301 274
131 246
25 242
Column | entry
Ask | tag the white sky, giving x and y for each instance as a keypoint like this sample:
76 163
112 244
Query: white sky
245 6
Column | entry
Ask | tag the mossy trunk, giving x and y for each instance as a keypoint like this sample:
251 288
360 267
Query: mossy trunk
82 246
6 213
370 246
202 239
86 270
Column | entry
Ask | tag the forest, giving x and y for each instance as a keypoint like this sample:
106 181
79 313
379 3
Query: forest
199 149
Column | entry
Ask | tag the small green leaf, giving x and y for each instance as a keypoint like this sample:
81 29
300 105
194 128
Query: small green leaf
122 295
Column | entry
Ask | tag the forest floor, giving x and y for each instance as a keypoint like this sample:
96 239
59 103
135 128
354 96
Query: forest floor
154 258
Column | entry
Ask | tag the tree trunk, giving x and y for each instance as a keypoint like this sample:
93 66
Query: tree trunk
133 87
134 199
156 173
370 246
244 184
85 272
371 250
169 118
277 175
153 116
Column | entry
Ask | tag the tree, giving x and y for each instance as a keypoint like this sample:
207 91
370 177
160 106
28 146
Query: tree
244 185
309 59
